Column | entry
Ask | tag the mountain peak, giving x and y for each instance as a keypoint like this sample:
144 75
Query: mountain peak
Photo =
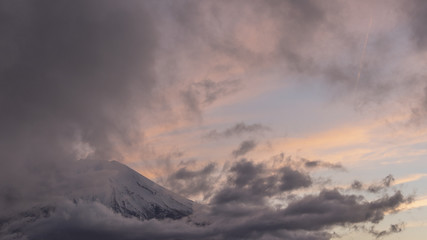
124 190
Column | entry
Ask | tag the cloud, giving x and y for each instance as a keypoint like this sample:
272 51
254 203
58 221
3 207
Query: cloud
191 102
374 187
237 130
332 207
73 74
252 183
201 94
208 44
245 147
193 182
385 183
419 113
239 209
89 220
394 228
293 179
214 90
416 12
424 100
246 184
307 218
313 164
357 185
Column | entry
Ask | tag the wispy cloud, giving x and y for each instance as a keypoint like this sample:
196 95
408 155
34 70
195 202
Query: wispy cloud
238 130
244 147
410 178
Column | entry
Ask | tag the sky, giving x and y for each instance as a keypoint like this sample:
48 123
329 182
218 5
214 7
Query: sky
257 109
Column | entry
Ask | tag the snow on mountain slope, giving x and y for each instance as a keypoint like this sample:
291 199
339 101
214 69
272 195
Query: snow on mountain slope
89 192
123 190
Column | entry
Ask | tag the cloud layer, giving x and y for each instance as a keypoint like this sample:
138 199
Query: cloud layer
75 76
241 208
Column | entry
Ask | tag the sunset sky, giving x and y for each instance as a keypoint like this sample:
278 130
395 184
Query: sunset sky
185 91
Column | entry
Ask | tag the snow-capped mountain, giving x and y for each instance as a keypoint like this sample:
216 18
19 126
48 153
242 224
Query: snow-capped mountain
92 192
123 190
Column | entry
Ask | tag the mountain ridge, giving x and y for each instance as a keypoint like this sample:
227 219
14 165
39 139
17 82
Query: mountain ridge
127 192
112 184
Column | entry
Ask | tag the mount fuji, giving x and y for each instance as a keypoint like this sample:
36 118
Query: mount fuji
123 190
111 184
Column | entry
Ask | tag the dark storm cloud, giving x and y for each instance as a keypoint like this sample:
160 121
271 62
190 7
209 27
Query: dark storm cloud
244 147
244 201
293 179
237 130
252 183
307 218
245 171
72 72
332 207
192 182
247 183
